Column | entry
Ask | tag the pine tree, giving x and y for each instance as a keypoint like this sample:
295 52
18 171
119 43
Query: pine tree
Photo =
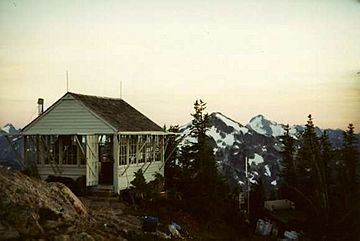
313 171
348 188
172 171
308 154
202 186
350 156
204 162
327 156
289 171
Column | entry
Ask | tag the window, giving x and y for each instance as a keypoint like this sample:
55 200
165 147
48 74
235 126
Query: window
123 150
132 149
69 147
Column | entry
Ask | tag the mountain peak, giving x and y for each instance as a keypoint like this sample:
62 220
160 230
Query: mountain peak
9 129
261 116
266 127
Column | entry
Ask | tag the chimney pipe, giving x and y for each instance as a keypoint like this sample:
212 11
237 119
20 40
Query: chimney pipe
40 106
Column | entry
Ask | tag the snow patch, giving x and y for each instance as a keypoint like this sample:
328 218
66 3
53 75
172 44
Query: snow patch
6 128
256 160
256 125
227 121
274 183
252 180
236 126
228 140
244 130
267 171
276 130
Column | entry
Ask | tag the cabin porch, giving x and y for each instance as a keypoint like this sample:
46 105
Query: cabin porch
104 159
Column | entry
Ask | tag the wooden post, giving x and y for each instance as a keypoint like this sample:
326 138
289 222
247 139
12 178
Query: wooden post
137 149
116 156
127 150
24 140
37 145
60 150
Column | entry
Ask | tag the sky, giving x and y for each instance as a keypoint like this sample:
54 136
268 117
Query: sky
280 58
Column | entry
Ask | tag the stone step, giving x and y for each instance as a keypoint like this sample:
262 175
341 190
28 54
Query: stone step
101 191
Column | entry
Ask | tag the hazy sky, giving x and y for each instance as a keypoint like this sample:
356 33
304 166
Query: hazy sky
281 58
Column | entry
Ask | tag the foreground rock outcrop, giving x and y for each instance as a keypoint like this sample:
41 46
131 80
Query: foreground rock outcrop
31 209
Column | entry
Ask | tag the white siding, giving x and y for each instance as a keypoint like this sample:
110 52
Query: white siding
67 117
66 171
125 179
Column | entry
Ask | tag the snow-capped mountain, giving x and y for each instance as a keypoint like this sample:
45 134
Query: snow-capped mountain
9 129
232 143
7 155
258 141
267 127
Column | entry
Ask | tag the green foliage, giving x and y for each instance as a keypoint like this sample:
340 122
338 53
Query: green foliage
350 156
315 173
139 181
171 169
198 181
289 171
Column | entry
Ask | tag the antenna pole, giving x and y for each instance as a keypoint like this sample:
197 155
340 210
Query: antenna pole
120 89
67 81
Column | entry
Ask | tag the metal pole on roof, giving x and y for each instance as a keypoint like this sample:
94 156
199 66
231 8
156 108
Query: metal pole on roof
120 89
67 81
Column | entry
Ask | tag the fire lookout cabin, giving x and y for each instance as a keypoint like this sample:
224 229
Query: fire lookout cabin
104 139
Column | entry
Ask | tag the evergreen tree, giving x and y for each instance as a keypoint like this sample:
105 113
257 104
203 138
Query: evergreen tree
307 156
313 171
203 162
350 156
171 169
327 156
348 205
203 188
289 171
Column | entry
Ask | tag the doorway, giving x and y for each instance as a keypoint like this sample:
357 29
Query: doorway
106 160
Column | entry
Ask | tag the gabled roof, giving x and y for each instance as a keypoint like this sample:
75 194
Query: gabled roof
118 113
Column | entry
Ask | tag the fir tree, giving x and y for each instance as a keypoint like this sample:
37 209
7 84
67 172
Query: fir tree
171 169
350 156
289 171
202 186
348 219
308 154
312 168
204 162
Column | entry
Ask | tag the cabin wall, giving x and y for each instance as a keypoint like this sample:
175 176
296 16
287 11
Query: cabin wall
133 152
124 178
66 171
66 117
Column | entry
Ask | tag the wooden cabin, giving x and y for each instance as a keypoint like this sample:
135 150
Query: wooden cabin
104 139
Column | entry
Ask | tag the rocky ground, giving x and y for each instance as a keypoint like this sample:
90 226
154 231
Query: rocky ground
31 209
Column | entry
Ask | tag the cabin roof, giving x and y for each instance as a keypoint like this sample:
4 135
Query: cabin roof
118 113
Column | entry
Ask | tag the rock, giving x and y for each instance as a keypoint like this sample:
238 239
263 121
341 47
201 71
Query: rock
62 237
34 207
76 203
82 237
7 232
174 232
51 224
